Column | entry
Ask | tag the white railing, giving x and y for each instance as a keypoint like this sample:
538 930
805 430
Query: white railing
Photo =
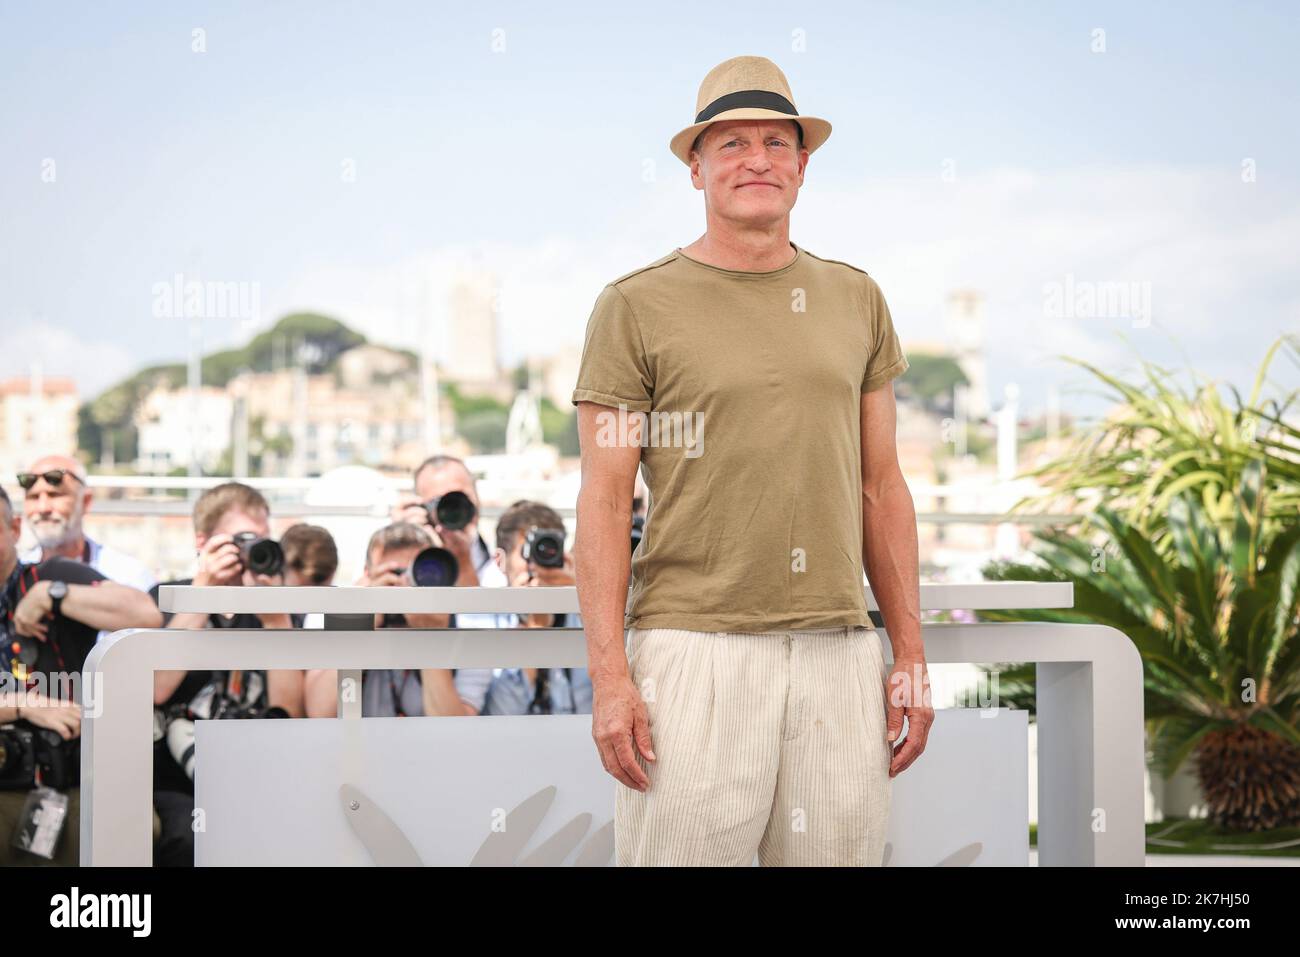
1089 705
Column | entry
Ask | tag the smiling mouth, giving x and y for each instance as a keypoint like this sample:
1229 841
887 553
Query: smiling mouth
747 185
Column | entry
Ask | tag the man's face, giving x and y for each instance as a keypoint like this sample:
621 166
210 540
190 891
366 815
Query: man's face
233 522
434 483
512 562
294 577
750 170
55 512
11 526
402 556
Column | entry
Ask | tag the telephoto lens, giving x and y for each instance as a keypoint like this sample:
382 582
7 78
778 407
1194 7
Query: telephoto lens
435 568
454 510
262 556
180 742
544 547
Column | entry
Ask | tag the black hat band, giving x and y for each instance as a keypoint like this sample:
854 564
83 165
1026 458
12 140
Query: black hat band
761 99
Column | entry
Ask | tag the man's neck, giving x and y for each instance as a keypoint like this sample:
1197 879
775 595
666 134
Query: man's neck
73 548
758 250
7 569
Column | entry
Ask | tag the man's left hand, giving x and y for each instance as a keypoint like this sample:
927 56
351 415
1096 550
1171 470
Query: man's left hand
907 694
30 617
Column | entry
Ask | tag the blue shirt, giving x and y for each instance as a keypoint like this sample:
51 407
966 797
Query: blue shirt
510 692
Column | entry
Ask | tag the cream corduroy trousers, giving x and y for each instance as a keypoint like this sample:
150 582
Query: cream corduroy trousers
767 743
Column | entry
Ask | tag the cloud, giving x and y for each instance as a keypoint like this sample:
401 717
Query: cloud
93 364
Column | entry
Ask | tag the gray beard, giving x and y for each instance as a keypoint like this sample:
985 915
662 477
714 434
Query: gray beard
51 537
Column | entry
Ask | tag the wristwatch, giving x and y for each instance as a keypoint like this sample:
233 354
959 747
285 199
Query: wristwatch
58 592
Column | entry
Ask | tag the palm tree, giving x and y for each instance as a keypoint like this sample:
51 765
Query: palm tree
1190 544
1217 622
1161 440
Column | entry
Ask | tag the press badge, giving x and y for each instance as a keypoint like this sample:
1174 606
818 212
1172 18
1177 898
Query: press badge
44 814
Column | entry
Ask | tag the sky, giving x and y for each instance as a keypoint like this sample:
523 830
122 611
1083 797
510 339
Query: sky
348 158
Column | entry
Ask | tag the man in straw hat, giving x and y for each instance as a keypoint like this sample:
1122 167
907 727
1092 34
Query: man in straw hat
750 710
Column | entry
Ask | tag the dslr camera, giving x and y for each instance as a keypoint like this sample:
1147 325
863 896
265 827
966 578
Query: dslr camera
261 556
25 750
544 547
454 510
175 725
434 567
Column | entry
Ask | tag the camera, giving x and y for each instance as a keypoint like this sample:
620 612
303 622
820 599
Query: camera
453 511
17 759
261 556
24 751
434 567
544 547
176 724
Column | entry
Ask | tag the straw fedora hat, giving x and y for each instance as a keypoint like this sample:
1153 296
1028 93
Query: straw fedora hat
746 88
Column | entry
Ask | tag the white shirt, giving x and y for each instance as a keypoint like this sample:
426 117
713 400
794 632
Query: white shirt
489 576
109 562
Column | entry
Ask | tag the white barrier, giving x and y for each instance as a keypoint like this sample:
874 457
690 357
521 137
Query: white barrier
1090 730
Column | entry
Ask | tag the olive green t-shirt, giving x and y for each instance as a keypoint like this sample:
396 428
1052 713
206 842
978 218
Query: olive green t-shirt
751 384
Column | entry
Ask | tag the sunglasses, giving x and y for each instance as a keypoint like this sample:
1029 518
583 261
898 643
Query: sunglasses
54 477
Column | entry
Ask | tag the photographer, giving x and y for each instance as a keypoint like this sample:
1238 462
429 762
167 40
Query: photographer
396 692
56 500
50 617
229 521
530 553
310 558
442 475
310 555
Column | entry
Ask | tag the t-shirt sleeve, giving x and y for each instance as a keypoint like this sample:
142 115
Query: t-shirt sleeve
887 360
614 369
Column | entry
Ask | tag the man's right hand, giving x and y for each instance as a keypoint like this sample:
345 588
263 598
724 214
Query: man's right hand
388 574
63 717
620 725
410 508
220 562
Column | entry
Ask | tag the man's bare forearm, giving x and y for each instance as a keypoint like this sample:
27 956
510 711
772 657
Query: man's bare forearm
109 606
321 692
890 554
603 561
439 694
165 683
